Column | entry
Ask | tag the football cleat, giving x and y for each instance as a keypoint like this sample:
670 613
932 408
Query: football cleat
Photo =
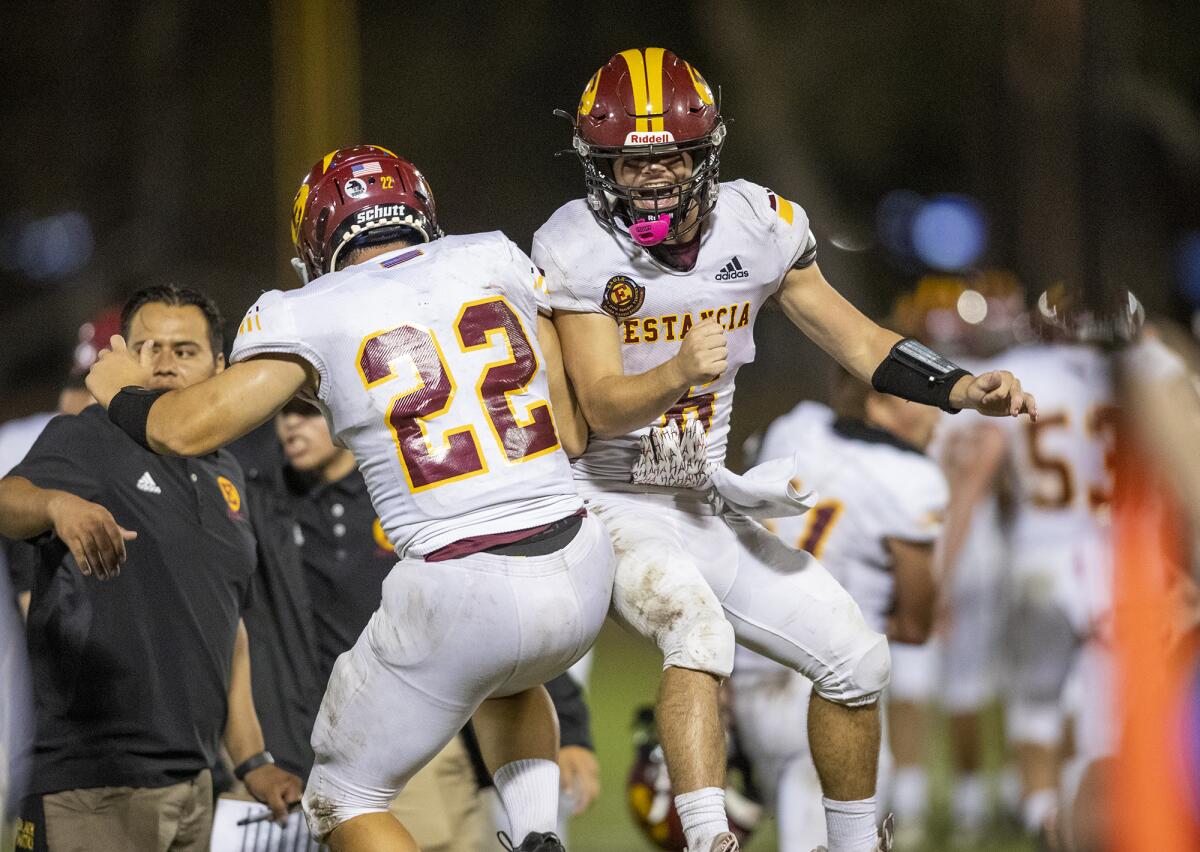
726 841
886 832
535 841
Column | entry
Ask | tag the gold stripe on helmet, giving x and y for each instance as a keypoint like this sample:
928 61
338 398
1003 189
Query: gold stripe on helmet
298 210
588 100
637 79
700 83
654 81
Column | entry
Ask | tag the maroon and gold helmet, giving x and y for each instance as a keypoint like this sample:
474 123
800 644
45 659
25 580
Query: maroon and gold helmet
647 102
359 196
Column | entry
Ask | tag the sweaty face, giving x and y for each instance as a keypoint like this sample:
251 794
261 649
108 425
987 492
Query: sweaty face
182 354
650 172
306 441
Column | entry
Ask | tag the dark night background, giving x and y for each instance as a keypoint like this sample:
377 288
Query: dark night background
162 141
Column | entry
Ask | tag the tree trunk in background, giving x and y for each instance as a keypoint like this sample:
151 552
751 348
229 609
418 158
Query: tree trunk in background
315 47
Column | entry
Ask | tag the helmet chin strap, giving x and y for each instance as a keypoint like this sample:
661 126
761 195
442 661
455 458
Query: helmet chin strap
651 230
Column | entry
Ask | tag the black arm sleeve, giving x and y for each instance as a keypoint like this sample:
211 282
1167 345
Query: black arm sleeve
915 372
574 718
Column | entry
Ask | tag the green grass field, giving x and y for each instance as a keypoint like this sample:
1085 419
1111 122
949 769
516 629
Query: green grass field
624 676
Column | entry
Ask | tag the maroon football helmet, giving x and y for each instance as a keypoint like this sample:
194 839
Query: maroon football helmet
647 102
359 196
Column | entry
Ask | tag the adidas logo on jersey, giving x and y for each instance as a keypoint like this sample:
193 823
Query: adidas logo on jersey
731 270
146 483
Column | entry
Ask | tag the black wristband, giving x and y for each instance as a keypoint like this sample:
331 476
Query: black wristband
915 372
130 409
254 761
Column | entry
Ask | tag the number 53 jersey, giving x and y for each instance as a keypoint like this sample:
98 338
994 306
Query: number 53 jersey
431 374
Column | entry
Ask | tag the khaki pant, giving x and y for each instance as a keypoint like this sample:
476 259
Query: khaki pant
441 806
131 819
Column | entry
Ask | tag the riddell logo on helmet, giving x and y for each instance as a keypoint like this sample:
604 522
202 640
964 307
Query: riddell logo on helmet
635 138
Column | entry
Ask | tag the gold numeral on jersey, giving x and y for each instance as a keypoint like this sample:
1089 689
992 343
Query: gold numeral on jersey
456 454
821 520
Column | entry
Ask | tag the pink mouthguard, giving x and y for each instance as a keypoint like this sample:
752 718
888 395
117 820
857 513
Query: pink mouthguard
650 232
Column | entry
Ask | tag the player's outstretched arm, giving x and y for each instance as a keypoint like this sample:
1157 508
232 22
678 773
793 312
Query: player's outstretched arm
864 347
201 418
615 403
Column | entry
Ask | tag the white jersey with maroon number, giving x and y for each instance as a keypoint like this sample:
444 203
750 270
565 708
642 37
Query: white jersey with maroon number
1062 461
747 245
871 486
430 372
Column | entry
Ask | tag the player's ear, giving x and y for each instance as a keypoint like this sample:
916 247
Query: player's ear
220 362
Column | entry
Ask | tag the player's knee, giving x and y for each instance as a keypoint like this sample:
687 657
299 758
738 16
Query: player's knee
329 802
862 677
1038 722
702 640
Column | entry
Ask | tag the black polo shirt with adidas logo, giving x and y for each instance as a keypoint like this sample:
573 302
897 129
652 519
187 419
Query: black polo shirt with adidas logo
131 675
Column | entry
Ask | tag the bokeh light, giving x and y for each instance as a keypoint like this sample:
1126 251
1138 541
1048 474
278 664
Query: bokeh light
949 232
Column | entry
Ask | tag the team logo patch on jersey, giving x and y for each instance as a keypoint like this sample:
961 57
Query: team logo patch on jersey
623 297
229 491
355 188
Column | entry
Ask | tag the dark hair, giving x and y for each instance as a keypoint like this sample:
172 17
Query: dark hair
178 297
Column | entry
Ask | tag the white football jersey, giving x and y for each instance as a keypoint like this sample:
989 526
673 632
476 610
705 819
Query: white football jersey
431 374
1061 463
872 487
747 244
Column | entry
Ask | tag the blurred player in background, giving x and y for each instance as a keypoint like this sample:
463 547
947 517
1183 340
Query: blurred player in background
973 320
17 436
880 511
656 279
1060 543
420 350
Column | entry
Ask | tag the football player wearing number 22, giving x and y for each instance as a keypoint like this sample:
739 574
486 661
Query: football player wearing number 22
656 278
435 366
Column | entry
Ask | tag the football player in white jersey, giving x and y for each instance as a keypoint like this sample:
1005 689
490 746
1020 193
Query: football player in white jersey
656 278
874 527
420 349
1060 471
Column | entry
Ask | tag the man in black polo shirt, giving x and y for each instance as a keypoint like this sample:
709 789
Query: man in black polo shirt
140 662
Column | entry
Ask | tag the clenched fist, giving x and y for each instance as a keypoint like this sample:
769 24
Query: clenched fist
704 353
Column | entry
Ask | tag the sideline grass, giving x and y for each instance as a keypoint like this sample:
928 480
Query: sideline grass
624 676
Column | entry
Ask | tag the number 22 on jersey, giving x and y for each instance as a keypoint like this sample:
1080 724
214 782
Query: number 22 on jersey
429 457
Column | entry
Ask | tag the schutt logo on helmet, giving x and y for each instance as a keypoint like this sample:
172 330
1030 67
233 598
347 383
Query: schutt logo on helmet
364 195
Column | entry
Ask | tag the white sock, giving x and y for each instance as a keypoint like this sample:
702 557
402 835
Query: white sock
1037 806
968 804
702 815
528 789
910 787
851 825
